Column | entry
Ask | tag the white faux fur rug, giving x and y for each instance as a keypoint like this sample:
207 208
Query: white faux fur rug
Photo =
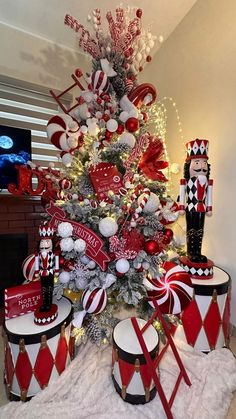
85 389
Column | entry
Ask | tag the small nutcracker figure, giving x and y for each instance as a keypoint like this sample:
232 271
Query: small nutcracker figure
46 267
196 200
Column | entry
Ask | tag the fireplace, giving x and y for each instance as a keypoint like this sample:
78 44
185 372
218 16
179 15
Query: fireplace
19 221
13 250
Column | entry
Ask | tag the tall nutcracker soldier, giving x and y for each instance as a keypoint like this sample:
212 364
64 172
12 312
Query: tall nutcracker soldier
196 202
46 267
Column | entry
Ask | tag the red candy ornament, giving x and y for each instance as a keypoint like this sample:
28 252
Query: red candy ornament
151 247
173 292
65 184
139 13
132 124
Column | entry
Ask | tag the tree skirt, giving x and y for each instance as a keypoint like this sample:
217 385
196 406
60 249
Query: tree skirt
85 389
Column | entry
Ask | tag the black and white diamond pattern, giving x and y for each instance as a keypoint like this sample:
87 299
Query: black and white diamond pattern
198 272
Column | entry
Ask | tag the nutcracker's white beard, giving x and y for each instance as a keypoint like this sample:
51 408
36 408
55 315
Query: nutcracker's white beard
44 253
202 179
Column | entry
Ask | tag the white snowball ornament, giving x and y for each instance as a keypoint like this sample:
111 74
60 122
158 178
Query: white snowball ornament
67 244
112 125
64 277
91 264
65 229
108 226
79 245
127 138
151 205
122 266
85 259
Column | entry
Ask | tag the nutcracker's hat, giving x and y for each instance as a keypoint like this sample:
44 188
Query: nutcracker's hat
45 230
197 149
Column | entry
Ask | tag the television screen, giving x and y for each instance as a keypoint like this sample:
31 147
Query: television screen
15 148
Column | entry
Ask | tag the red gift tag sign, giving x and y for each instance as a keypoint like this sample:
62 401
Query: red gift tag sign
22 299
105 177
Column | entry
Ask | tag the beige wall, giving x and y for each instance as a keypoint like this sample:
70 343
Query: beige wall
36 60
197 66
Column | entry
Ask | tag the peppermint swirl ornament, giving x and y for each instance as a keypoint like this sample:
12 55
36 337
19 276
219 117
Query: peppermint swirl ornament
173 292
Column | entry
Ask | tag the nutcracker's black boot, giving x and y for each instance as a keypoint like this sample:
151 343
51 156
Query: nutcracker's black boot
194 245
47 292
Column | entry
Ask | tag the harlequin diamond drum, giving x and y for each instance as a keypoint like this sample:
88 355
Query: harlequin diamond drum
206 319
131 377
33 357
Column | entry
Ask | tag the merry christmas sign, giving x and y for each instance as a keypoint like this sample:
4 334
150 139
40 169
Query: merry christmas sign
94 243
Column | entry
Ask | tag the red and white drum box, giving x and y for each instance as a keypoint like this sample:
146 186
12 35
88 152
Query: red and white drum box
131 376
206 320
35 356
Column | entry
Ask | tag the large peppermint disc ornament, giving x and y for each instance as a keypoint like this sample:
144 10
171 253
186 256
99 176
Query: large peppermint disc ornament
28 268
60 129
93 302
173 292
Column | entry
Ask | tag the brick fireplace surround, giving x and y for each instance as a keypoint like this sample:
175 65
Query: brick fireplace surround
20 216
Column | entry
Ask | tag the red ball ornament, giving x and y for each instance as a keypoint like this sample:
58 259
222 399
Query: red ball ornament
106 117
61 261
148 58
78 72
139 13
140 69
65 184
108 135
120 129
151 247
132 124
168 235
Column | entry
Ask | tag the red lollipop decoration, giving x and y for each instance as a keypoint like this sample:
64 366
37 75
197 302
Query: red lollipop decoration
173 292
144 94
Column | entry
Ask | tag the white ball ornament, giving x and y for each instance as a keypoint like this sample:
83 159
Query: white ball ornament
127 138
112 125
65 229
64 277
79 245
108 226
122 265
151 205
146 265
67 244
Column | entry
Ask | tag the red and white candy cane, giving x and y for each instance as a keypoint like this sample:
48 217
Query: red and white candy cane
146 195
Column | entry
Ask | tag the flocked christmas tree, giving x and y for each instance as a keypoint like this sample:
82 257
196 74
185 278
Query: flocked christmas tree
113 185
